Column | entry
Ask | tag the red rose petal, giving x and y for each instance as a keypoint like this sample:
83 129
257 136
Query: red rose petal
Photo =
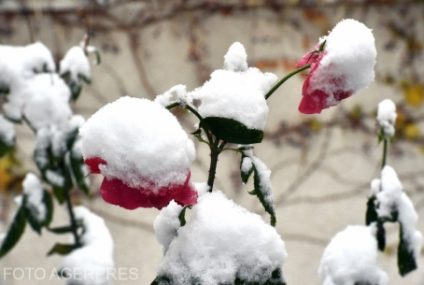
93 164
116 192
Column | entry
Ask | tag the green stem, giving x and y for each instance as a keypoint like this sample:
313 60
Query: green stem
188 107
73 221
385 150
284 79
214 163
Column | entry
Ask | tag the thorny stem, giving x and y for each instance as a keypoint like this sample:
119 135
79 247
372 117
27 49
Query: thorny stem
284 79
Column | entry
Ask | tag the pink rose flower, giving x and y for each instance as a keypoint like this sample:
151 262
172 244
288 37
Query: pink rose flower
344 65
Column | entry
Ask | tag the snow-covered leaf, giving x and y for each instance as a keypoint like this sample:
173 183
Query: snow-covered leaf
232 131
15 232
246 168
406 257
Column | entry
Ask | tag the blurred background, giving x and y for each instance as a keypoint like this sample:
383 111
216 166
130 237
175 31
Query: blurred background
321 165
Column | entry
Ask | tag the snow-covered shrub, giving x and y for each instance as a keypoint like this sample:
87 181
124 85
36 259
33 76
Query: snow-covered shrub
40 96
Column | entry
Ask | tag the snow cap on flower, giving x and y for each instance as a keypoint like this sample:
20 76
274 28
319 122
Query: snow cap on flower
236 92
142 151
220 242
33 189
344 66
386 117
351 258
93 262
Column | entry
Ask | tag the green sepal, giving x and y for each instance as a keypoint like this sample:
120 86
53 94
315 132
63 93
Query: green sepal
15 232
62 249
232 131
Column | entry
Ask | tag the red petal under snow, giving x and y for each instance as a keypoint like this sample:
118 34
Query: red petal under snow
115 192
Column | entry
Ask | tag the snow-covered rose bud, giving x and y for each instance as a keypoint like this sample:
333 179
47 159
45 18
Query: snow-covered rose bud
233 102
344 65
143 153
386 117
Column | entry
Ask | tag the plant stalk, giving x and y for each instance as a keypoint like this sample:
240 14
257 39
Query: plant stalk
285 78
73 221
385 150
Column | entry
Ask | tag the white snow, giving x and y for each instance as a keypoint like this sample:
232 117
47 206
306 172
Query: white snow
176 94
222 241
55 178
76 63
7 131
246 164
93 262
141 142
386 117
351 258
46 99
349 60
264 174
23 62
167 224
33 189
236 58
236 92
392 198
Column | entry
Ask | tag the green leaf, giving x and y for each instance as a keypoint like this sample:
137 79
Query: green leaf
4 148
181 216
371 215
275 279
162 280
381 236
30 215
232 131
61 230
245 174
406 259
77 168
259 192
15 232
62 249
48 203
59 193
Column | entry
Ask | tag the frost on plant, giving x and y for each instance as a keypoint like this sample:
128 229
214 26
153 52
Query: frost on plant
223 243
342 64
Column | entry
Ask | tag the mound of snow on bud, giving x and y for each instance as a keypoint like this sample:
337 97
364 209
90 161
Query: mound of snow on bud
386 117
236 92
